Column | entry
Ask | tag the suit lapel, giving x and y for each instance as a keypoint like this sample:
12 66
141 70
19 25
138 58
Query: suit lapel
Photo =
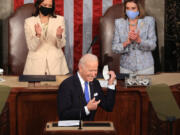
79 88
91 89
38 20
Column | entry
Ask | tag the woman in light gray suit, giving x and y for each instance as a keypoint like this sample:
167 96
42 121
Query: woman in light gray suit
135 38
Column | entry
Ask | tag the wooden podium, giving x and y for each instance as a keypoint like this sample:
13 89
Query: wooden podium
88 128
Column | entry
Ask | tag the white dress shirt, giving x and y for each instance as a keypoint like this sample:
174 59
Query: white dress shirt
83 86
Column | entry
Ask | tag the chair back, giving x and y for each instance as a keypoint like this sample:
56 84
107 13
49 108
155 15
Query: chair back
17 48
106 36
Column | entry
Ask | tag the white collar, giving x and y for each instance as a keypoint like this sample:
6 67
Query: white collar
81 79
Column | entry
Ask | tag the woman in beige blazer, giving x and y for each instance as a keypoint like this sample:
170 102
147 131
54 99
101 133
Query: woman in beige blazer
45 37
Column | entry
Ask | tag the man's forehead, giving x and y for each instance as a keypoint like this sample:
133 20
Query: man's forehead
91 62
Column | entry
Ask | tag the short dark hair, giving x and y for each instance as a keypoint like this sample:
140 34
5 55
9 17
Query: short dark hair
38 2
140 8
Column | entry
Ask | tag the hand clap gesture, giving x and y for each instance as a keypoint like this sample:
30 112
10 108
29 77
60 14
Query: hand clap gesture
133 36
59 32
38 30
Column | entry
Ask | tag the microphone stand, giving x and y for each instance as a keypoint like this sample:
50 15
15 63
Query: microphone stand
92 43
89 48
80 113
80 124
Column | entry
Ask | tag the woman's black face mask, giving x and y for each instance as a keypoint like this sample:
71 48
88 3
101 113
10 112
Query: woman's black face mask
45 11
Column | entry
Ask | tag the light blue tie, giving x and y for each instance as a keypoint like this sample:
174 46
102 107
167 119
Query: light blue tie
86 92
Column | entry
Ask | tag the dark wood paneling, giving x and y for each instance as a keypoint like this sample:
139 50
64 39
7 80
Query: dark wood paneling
122 116
158 127
28 110
40 108
80 132
4 121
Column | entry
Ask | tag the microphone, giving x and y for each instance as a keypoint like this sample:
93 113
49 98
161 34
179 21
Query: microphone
92 43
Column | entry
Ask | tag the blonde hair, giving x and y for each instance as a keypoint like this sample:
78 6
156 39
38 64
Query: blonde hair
139 6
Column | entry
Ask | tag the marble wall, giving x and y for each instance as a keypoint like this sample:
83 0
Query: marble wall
172 34
6 8
156 8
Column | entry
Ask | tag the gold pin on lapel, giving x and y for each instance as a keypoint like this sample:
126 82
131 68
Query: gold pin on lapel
142 24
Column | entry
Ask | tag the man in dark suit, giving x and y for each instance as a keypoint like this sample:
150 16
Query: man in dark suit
83 92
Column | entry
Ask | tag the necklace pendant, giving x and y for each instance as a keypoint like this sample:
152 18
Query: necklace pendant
132 24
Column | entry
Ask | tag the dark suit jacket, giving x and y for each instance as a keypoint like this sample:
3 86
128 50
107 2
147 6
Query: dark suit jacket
71 98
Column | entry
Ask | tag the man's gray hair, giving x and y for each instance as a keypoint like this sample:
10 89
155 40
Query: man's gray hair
87 58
